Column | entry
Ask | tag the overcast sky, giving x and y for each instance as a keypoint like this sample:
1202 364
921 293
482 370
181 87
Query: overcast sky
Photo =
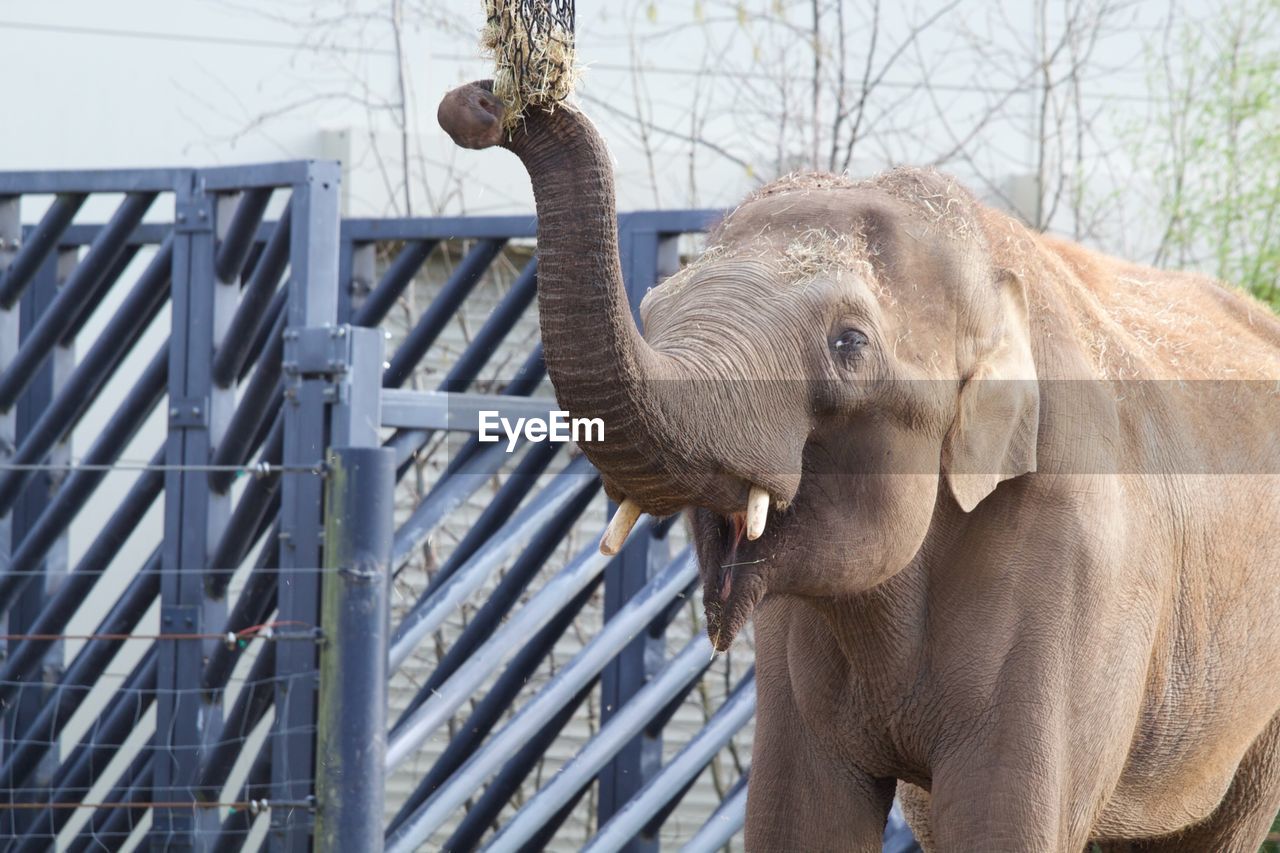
698 99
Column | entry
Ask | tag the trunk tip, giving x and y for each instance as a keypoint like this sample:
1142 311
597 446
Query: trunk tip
472 115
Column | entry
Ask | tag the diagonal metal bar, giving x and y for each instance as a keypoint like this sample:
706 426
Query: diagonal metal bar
23 657
263 335
523 384
393 282
444 498
251 313
593 657
258 505
42 240
571 679
105 736
109 829
407 443
113 275
77 296
477 353
80 677
419 724
428 616
627 722
235 245
256 601
483 815
504 597
77 488
735 713
499 323
509 496
434 320
259 404
725 822
250 707
489 710
236 828
82 387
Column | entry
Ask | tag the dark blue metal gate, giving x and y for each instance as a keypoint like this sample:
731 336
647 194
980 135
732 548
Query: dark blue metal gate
210 675
197 624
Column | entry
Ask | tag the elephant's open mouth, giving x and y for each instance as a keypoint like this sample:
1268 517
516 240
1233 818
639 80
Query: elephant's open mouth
733 572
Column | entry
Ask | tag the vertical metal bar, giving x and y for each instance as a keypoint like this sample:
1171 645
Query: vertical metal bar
10 331
313 301
187 718
353 690
10 323
645 255
26 608
347 292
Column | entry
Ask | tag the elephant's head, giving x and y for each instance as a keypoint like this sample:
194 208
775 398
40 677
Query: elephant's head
842 358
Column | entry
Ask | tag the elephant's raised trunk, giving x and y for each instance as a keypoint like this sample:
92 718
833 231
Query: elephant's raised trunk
599 364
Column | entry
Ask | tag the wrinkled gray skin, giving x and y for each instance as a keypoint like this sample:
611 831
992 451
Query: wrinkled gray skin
1047 612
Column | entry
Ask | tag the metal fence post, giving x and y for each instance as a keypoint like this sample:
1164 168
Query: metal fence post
10 322
187 719
646 255
352 739
313 304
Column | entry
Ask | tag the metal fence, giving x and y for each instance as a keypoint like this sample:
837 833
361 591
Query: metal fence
200 444
186 702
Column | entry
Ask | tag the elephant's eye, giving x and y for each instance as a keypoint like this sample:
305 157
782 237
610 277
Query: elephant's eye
848 344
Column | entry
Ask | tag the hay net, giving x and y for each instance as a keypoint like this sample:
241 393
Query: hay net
531 42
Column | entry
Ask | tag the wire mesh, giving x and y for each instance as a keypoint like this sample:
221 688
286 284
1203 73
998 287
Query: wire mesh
92 629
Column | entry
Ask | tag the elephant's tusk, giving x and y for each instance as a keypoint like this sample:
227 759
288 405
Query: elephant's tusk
619 526
757 512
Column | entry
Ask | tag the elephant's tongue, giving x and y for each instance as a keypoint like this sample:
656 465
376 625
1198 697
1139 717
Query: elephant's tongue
726 572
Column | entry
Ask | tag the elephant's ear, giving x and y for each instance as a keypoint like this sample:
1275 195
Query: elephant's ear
997 420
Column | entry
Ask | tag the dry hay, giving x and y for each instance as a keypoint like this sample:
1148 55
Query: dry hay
818 251
803 182
939 198
531 42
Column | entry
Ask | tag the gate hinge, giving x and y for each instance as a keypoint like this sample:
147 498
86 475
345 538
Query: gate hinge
189 413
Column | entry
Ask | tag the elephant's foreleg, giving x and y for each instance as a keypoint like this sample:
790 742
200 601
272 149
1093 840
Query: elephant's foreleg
1000 808
803 801
802 796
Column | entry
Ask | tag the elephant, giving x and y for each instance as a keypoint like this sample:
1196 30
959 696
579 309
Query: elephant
1002 510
